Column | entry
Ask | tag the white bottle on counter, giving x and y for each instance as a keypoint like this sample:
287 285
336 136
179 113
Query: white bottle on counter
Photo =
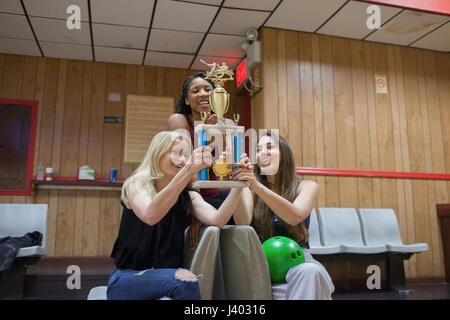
40 172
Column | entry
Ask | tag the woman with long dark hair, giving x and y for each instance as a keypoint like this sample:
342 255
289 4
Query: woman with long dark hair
278 203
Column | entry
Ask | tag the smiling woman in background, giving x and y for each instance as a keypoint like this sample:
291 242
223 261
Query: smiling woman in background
192 102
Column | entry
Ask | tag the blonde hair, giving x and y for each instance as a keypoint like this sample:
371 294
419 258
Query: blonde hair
144 177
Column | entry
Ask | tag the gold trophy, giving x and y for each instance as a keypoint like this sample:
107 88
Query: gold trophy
219 100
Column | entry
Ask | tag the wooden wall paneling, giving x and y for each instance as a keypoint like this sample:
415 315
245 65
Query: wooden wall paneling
11 87
69 153
442 71
339 270
384 128
345 134
131 86
432 266
293 87
95 146
318 118
345 122
306 121
70 143
406 217
112 158
140 85
47 111
281 69
442 63
360 110
437 157
371 111
72 120
172 85
257 100
12 76
396 95
53 204
270 75
39 96
82 157
329 119
160 85
27 93
150 80
413 96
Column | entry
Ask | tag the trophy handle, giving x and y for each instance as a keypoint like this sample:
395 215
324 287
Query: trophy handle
236 118
203 115
228 103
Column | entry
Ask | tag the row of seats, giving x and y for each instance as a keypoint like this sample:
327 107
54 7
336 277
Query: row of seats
241 270
368 231
231 260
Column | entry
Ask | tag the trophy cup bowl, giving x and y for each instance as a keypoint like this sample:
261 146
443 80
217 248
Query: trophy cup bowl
219 100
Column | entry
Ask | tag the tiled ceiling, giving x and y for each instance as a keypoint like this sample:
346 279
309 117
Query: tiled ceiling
179 33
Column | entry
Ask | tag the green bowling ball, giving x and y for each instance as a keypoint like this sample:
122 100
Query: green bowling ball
282 253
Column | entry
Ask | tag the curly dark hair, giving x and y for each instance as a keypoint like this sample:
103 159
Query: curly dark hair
182 107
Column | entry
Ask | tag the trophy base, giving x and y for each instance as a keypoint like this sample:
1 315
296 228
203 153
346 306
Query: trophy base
202 184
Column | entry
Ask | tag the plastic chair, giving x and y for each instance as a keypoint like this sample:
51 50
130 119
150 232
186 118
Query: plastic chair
341 227
380 227
315 245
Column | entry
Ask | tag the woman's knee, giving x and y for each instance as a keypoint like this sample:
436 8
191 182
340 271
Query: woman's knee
187 287
185 275
307 269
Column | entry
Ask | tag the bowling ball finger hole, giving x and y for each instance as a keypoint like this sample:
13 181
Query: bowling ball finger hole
293 256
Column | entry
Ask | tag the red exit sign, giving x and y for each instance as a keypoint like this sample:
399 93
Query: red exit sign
241 73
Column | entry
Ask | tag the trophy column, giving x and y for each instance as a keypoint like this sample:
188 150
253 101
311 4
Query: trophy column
202 141
237 147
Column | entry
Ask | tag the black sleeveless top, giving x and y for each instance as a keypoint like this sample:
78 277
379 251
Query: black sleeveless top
279 228
140 246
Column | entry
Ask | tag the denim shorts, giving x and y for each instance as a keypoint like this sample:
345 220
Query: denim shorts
150 284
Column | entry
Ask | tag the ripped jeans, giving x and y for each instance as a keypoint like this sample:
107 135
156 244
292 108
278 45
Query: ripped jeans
151 284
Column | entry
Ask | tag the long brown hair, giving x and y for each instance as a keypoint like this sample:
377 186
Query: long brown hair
286 183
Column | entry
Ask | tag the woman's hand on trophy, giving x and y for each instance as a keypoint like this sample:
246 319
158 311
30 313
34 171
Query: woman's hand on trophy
200 158
244 171
227 155
211 118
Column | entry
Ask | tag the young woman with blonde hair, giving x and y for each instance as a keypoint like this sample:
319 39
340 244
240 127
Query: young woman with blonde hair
157 208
